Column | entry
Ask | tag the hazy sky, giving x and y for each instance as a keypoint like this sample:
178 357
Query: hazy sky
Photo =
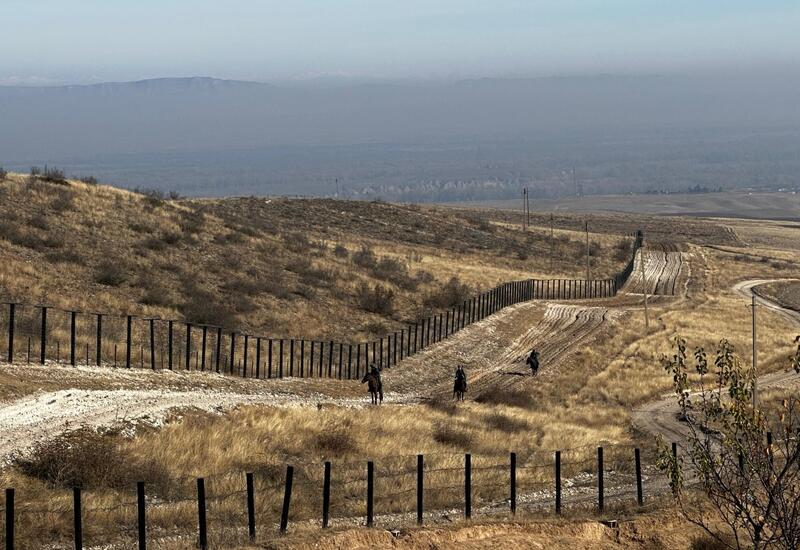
51 41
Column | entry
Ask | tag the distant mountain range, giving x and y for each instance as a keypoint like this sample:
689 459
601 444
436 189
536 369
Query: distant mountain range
628 130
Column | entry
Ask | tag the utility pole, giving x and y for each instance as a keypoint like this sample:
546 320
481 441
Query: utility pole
587 250
755 351
552 241
528 208
524 207
644 291
337 188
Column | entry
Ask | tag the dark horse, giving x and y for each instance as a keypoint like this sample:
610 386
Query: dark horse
375 387
533 362
459 389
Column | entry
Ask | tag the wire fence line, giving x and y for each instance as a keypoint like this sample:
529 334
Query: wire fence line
42 333
237 506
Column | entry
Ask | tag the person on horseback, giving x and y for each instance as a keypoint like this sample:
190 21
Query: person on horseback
461 376
533 361
376 372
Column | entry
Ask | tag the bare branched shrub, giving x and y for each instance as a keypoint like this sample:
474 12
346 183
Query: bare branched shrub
110 273
336 438
3 173
750 480
340 251
512 398
447 434
88 459
376 299
507 424
364 258
451 294
395 272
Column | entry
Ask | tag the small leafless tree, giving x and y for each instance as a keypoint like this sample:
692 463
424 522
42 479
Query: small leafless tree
750 479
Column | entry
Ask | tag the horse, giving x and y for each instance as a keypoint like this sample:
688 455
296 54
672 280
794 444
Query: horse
374 386
533 363
459 389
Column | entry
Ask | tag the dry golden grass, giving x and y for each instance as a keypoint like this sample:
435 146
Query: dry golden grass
265 266
586 402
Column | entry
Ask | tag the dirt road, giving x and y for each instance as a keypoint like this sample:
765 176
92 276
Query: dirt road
662 267
661 417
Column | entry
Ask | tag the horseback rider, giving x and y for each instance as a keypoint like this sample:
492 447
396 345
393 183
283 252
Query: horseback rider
533 360
376 372
461 376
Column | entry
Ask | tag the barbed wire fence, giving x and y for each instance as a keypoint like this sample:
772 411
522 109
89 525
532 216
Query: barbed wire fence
392 492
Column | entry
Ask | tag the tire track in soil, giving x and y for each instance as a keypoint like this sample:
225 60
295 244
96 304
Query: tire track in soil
562 330
662 266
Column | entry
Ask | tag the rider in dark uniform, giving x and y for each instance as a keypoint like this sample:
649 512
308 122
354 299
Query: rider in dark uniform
376 372
461 374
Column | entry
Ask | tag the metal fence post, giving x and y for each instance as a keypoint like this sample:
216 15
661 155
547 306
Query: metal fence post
287 498
326 495
558 482
513 475
420 488
77 517
251 507
600 491
370 492
140 512
201 513
9 519
128 341
43 336
638 464
467 486
11 311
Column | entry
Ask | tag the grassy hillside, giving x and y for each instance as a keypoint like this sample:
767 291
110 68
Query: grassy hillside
284 267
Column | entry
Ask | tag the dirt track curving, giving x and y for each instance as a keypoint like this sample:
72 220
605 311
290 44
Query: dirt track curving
561 331
662 267
661 417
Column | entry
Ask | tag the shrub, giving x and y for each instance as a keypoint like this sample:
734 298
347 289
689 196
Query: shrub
205 308
340 251
507 424
192 221
88 459
152 197
377 299
296 242
451 294
3 173
110 274
63 256
364 258
39 221
64 201
336 438
622 250
89 180
156 296
512 398
395 272
447 434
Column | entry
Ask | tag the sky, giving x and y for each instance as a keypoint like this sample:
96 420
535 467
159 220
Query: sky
82 41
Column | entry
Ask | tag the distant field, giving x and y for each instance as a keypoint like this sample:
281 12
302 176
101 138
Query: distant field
729 204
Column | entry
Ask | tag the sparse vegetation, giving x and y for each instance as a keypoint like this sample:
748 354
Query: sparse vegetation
375 299
110 273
